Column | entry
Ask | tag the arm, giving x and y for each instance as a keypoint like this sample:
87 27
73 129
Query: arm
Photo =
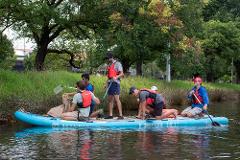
142 105
189 96
95 99
72 107
120 70
121 74
205 99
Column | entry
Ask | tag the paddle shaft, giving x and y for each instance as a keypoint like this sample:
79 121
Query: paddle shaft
107 89
201 103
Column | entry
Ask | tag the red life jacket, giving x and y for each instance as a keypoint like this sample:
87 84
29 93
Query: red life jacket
195 101
86 99
152 96
111 71
150 101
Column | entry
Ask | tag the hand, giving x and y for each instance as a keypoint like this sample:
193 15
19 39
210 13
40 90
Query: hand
105 86
191 92
204 108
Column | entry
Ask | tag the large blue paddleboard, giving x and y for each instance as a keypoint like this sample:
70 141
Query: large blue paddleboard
38 120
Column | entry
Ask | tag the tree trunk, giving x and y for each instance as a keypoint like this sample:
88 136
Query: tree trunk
237 67
139 68
209 72
40 57
126 66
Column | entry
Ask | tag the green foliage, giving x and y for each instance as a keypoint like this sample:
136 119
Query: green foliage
6 48
221 43
35 89
45 20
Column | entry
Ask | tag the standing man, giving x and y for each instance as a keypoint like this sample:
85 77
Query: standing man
115 72
199 97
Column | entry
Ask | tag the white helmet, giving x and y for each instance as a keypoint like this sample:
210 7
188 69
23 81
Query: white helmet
154 88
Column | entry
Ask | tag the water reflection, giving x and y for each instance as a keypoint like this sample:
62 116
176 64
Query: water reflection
125 143
189 142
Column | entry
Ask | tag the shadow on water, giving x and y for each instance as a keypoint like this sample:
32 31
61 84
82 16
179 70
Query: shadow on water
124 143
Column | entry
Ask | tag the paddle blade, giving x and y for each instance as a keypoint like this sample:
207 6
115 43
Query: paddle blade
58 89
215 124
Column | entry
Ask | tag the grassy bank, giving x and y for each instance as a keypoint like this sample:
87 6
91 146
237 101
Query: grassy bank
34 90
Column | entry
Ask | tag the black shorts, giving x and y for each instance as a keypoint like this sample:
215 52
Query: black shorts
157 109
114 89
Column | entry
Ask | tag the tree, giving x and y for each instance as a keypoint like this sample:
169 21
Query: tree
45 20
221 42
6 48
227 12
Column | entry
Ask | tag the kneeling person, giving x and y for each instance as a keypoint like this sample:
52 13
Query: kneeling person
80 108
155 108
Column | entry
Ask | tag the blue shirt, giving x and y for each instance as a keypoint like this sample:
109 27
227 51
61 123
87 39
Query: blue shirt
202 91
90 87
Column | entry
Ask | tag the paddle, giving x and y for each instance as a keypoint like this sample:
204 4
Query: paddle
105 94
59 89
213 123
107 90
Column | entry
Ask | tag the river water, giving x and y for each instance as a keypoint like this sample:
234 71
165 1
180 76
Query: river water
21 142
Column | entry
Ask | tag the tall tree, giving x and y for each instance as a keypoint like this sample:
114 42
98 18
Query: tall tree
228 12
45 20
221 40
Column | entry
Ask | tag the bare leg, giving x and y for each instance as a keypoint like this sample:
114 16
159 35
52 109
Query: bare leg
95 114
119 105
56 111
70 116
110 104
185 111
169 113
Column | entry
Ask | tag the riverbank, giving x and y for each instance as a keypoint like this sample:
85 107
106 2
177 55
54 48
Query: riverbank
35 90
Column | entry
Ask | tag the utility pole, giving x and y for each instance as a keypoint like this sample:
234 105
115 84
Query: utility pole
232 68
168 68
168 64
168 58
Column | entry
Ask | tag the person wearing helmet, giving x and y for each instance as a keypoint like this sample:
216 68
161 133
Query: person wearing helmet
199 99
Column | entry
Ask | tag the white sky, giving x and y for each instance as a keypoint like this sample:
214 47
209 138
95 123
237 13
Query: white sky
18 43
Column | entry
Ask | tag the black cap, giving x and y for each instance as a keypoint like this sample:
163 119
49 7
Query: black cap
109 55
131 90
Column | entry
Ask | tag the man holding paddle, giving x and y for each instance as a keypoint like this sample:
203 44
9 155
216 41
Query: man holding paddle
115 72
199 97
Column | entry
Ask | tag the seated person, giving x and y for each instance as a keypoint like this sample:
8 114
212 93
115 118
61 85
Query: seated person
80 107
155 107
67 97
199 99
89 87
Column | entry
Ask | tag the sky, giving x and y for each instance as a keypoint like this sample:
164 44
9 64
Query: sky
18 43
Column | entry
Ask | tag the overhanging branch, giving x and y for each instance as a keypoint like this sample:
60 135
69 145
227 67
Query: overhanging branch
64 51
